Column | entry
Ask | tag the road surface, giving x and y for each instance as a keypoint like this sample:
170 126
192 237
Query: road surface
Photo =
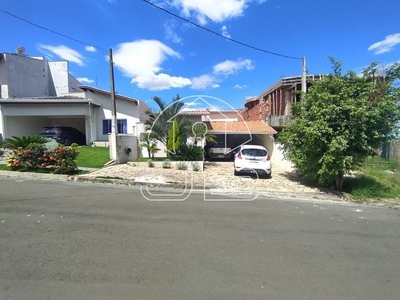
65 240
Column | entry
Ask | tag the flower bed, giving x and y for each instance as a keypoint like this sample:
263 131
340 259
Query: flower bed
197 166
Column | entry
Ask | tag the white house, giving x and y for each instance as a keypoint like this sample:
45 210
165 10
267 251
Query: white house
35 93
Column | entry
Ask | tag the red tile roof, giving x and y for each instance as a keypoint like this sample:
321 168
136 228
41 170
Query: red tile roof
240 127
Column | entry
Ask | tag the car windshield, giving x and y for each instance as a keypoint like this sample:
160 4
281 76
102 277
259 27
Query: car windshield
254 152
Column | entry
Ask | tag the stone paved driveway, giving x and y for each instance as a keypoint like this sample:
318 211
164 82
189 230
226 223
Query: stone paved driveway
216 175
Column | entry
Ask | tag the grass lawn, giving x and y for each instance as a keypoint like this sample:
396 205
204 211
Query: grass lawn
378 178
4 167
92 157
89 157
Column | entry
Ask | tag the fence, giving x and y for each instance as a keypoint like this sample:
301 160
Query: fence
391 151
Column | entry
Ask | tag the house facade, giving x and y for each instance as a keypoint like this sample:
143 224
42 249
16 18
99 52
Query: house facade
229 127
35 93
274 105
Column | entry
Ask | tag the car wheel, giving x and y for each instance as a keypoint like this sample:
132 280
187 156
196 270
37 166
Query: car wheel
235 172
67 142
269 175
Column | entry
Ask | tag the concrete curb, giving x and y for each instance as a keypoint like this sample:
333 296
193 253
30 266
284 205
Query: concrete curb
33 175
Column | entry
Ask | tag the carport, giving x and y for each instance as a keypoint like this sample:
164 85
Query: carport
235 133
29 116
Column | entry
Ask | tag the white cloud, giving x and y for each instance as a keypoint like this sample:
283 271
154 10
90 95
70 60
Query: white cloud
240 87
204 81
386 45
225 68
170 31
90 49
64 53
142 61
224 32
85 80
229 67
217 11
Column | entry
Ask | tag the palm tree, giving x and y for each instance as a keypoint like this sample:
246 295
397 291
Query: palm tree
161 119
147 142
200 130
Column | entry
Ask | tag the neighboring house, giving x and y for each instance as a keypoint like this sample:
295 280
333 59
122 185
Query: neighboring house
229 127
35 93
274 104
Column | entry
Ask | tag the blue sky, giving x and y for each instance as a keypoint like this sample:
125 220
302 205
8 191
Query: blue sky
158 54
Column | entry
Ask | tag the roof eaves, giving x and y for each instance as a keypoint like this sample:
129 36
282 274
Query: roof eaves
104 92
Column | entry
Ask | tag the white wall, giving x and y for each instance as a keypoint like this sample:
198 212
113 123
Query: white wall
128 110
17 126
59 75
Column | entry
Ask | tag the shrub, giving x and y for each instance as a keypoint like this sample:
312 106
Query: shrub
181 166
166 164
150 163
189 153
35 157
27 159
65 159
195 166
23 142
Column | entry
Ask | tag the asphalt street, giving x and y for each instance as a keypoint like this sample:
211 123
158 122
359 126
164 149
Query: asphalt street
70 240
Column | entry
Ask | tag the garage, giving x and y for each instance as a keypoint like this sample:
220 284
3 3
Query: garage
28 117
234 134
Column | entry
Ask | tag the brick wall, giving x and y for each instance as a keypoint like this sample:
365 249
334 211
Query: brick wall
256 113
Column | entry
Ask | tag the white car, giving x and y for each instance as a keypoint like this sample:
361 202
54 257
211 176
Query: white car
253 159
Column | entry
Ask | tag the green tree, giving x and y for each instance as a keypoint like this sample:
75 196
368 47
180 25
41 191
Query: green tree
160 119
340 120
200 130
174 139
149 144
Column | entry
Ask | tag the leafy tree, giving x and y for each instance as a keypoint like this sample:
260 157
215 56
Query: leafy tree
160 120
340 120
174 139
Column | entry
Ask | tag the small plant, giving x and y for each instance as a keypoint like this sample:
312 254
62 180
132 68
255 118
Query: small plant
23 142
189 153
74 145
195 166
166 164
150 163
181 166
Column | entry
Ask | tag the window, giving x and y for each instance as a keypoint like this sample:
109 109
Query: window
122 126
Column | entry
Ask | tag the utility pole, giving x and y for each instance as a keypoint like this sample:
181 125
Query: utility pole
114 131
304 76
